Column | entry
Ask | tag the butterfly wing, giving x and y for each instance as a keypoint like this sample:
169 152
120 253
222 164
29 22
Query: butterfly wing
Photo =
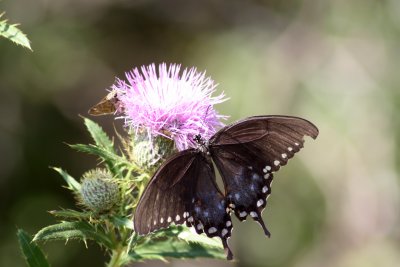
184 190
249 151
107 105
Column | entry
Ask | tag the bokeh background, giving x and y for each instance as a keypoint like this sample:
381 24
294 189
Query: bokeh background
333 62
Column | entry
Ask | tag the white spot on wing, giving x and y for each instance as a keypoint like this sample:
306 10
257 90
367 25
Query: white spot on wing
237 196
253 214
190 219
277 162
297 144
177 218
268 168
266 176
161 220
224 232
212 230
265 189
228 223
290 148
242 214
260 202
169 219
284 155
200 226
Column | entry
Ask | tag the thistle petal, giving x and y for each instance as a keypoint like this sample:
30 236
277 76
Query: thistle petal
170 102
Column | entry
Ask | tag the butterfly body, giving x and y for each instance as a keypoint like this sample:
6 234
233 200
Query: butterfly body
246 153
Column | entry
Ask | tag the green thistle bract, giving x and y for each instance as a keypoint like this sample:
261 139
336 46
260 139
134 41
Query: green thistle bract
99 192
149 152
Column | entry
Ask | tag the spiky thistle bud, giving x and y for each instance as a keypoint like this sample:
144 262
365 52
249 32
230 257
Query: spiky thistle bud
99 192
148 152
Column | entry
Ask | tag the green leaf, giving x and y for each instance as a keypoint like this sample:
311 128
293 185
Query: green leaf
71 214
72 183
114 162
73 230
32 253
177 242
122 222
12 33
174 248
190 236
99 136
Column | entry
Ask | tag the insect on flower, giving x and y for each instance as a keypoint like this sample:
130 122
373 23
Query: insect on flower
246 153
107 105
170 100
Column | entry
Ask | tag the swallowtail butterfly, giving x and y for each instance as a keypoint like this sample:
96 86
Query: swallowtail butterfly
246 153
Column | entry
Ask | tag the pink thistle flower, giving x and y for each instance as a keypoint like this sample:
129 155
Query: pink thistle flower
175 104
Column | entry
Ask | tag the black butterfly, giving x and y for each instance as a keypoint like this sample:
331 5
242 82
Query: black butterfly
246 153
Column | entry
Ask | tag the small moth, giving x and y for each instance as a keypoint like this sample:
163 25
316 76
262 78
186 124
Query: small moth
107 105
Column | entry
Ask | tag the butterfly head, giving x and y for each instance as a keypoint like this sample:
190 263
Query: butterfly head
201 143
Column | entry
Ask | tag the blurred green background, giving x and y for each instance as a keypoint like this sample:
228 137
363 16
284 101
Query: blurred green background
336 63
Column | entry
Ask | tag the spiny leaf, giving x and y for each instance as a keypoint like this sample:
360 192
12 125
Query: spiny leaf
115 163
188 235
174 248
72 183
71 214
99 136
12 33
176 241
191 236
32 253
73 230
122 221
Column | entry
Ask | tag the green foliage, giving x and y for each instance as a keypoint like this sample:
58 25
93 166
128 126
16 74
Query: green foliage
12 33
74 230
73 185
176 242
33 254
72 214
111 195
104 149
99 136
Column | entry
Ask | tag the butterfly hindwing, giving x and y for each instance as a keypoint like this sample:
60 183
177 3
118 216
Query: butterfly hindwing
249 151
246 185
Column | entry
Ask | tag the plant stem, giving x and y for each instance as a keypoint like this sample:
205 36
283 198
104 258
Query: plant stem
115 260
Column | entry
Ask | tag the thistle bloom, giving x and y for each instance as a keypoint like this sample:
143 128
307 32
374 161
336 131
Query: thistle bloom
171 103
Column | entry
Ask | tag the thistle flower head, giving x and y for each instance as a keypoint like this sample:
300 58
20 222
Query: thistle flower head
98 191
170 102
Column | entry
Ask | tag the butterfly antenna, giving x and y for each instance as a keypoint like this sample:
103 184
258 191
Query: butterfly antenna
205 117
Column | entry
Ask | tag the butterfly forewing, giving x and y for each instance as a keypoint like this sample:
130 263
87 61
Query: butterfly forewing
107 105
165 198
274 138
247 152
184 190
